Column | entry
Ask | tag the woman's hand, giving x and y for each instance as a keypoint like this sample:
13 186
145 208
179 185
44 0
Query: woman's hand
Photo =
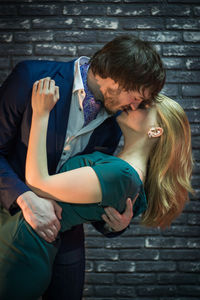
45 95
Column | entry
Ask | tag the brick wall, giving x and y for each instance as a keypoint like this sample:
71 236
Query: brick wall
142 263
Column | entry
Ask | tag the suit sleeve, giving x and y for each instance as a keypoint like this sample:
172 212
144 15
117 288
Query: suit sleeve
14 94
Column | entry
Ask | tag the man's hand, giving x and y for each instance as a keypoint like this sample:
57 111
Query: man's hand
117 221
41 214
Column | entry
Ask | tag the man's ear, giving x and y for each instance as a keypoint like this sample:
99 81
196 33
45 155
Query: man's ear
155 132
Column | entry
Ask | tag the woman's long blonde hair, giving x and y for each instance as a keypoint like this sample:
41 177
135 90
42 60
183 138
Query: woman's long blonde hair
170 166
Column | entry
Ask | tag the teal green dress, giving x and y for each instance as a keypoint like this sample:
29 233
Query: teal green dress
26 259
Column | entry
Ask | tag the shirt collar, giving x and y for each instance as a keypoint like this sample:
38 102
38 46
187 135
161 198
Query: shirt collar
78 83
78 86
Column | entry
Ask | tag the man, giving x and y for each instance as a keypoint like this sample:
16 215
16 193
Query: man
126 73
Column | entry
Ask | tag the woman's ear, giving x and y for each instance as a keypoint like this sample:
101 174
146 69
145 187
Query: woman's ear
155 132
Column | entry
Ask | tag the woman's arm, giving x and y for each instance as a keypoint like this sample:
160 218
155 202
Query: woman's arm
75 186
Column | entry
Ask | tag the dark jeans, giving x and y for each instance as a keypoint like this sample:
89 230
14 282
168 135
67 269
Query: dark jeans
69 267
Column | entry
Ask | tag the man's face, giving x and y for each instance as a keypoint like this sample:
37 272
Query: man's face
112 96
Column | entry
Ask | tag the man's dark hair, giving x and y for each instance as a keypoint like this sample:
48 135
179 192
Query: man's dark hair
132 63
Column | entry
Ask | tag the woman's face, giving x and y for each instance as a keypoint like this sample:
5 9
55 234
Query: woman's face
139 120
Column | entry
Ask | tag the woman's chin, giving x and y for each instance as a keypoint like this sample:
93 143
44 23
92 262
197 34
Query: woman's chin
121 117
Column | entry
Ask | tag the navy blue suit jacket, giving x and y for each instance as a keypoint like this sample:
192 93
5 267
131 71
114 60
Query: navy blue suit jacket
15 121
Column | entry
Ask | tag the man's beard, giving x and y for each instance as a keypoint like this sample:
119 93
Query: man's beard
107 103
98 96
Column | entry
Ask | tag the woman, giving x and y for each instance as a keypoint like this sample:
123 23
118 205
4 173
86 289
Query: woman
156 156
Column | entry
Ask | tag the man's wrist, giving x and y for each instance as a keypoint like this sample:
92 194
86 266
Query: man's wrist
21 199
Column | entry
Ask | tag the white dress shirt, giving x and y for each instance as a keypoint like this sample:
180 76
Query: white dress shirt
77 136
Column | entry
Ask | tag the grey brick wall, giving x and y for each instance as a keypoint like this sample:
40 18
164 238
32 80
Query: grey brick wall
142 263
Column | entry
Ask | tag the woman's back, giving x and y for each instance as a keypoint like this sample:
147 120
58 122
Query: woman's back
26 259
